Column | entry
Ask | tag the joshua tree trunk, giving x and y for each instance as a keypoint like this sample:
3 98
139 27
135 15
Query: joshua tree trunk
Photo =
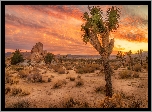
107 70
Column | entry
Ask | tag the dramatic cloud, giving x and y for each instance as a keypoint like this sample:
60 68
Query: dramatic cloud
58 27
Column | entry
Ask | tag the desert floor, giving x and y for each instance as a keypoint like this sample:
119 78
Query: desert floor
44 95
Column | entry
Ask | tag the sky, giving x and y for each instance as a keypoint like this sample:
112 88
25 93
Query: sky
58 28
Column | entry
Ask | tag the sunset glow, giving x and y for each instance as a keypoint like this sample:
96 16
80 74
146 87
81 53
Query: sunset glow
59 28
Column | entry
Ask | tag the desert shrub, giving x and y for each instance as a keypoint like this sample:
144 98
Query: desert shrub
68 67
59 83
21 104
73 103
49 79
19 91
125 74
137 67
145 66
55 67
135 103
7 90
35 77
79 77
11 80
23 73
136 75
49 57
61 70
87 68
17 57
79 83
72 78
16 91
116 67
119 100
100 89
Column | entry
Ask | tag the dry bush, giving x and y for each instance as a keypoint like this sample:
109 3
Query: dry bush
10 79
35 77
87 68
116 66
17 68
55 67
125 74
49 79
73 103
19 91
58 68
145 66
79 77
59 84
23 73
7 90
120 100
15 91
137 67
136 75
68 67
20 104
61 70
79 83
72 78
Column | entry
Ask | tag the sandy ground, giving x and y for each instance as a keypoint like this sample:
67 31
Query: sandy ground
42 95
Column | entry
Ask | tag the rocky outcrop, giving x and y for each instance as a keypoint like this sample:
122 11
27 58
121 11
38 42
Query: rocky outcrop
37 52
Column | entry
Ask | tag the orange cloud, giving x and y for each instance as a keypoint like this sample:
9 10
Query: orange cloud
59 29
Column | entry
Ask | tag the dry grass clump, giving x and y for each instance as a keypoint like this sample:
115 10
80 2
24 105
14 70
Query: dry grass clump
116 66
58 68
19 91
119 100
59 84
136 75
68 67
23 73
7 90
73 103
79 77
10 79
87 68
145 66
72 78
35 77
61 70
137 67
79 83
49 79
125 74
20 104
17 68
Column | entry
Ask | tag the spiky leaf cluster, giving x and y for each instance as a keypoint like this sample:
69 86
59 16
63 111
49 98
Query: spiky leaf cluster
94 23
112 18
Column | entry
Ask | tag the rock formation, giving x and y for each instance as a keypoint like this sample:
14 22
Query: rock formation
37 52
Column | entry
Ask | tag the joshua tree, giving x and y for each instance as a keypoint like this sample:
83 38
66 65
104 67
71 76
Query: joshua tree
121 57
139 52
96 32
130 62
